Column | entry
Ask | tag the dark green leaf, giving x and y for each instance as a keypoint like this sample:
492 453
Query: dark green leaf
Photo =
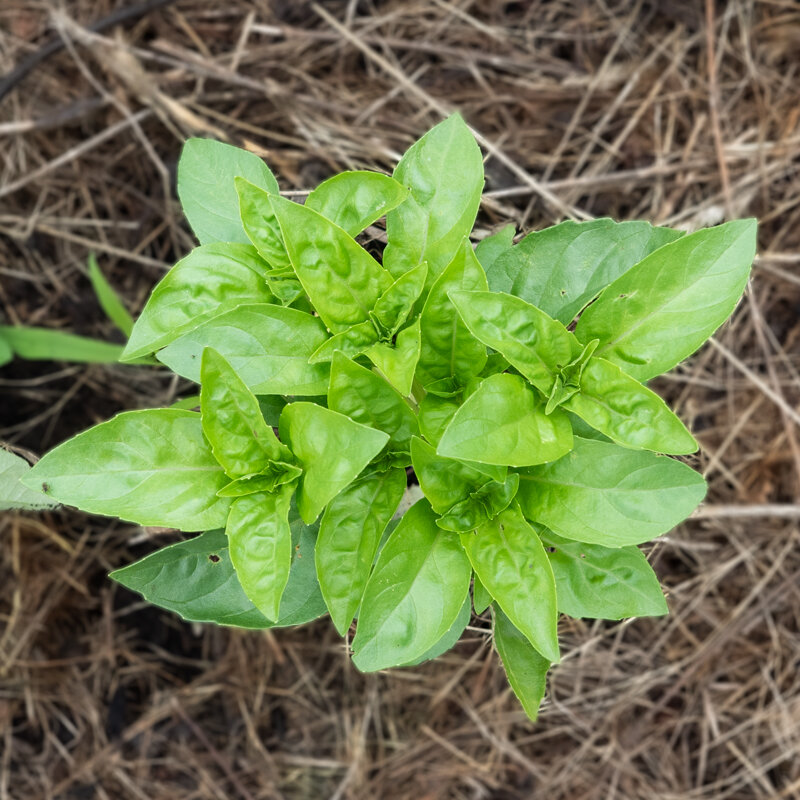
481 599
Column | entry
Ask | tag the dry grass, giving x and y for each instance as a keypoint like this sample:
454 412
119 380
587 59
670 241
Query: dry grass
585 109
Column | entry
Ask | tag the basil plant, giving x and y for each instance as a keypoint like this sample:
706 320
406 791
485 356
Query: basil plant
507 380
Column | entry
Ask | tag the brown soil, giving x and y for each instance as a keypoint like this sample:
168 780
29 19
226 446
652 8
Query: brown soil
590 109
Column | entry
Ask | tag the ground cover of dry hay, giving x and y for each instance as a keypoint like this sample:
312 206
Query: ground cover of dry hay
679 112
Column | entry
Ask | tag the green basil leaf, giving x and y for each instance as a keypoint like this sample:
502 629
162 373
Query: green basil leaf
450 638
211 280
434 416
483 504
153 467
444 481
525 668
354 200
342 279
365 397
206 173
277 473
504 423
493 247
595 582
196 580
562 268
536 344
241 440
664 308
44 344
414 595
609 495
510 560
261 226
260 543
395 305
349 534
444 171
628 413
398 361
267 345
271 406
109 300
448 349
351 343
481 599
13 494
331 449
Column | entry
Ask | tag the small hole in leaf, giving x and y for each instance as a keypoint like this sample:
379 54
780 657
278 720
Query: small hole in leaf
214 558
45 487
563 292
583 555
622 296
550 549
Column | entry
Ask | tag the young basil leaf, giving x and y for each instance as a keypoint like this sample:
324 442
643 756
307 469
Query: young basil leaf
525 668
211 280
275 474
664 308
444 171
395 305
434 416
483 504
504 423
109 300
493 247
450 638
351 343
262 228
349 534
481 599
152 467
44 344
562 268
448 349
13 494
610 495
196 580
627 412
414 595
267 345
367 398
206 173
261 547
354 200
331 449
444 481
536 344
286 290
595 582
241 440
508 557
398 361
342 279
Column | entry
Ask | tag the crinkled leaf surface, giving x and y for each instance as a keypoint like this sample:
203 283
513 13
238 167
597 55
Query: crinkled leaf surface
367 398
536 344
352 342
342 279
596 582
525 668
211 280
262 228
398 361
504 423
331 449
349 534
261 547
354 200
560 269
628 413
241 440
206 173
664 308
153 467
268 346
511 563
481 505
610 495
396 303
444 171
448 349
13 494
414 595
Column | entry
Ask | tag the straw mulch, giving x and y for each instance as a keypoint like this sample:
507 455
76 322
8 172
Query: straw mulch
674 111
